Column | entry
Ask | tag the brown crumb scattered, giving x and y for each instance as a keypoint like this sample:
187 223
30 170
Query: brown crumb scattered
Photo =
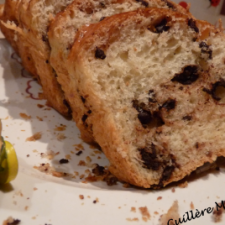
68 157
145 213
81 197
95 201
46 168
58 174
97 152
132 219
156 213
102 174
173 190
82 176
76 173
11 221
25 116
28 155
49 154
26 208
192 205
87 171
60 128
79 147
217 214
35 137
35 189
40 106
183 185
88 159
133 209
60 137
81 163
99 157
171 214
159 198
39 118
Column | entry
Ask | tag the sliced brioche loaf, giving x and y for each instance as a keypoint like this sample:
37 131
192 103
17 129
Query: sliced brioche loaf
62 33
154 83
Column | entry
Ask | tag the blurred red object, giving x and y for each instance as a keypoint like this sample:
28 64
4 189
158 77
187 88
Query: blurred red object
184 5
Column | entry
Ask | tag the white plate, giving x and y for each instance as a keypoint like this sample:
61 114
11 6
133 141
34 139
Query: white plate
37 199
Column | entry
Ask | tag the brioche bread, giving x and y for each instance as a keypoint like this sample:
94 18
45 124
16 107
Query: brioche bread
62 33
154 83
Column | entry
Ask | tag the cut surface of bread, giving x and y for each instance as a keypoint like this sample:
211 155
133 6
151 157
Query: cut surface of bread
62 33
154 83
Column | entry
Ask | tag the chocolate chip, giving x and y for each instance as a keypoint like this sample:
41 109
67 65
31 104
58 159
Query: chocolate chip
188 118
144 116
63 161
102 5
149 158
144 3
169 4
83 99
205 49
152 98
89 111
192 25
99 170
47 61
214 89
160 27
167 172
102 18
169 104
79 153
84 117
99 53
188 76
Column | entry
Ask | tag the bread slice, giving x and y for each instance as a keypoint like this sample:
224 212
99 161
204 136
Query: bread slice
154 83
9 27
62 33
34 17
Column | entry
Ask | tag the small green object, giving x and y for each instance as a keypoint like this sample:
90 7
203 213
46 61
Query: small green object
8 162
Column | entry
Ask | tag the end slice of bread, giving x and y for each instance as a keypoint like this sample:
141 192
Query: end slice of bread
155 85
26 29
